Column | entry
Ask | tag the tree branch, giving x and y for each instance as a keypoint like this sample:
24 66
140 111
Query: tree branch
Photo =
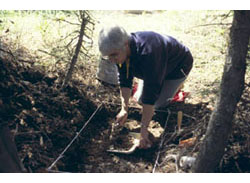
77 50
210 24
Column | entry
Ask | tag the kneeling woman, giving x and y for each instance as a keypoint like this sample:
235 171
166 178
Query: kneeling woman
161 61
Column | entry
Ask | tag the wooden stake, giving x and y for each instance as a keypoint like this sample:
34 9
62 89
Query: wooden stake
179 119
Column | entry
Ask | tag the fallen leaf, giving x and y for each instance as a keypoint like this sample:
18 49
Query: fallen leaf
187 142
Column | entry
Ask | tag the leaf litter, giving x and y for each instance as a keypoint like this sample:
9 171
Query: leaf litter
44 119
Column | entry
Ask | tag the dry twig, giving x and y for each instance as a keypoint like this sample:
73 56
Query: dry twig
162 139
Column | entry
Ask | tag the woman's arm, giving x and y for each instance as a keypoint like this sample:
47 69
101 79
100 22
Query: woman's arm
123 114
125 94
147 114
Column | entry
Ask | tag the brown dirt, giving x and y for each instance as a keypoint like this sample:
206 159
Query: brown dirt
44 120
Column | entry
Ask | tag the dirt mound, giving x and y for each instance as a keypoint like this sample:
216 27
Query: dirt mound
44 119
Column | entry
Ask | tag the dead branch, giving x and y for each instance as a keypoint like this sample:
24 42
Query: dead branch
77 50
78 15
223 16
161 143
227 15
85 54
74 32
211 24
62 20
188 116
51 54
73 39
88 37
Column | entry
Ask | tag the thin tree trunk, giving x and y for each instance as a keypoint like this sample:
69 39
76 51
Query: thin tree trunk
77 50
9 160
232 85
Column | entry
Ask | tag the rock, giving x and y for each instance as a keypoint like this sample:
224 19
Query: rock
132 125
155 129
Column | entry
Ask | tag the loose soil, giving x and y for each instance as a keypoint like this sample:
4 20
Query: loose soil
44 119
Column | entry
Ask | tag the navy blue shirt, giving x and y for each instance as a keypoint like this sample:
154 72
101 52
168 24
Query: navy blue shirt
154 58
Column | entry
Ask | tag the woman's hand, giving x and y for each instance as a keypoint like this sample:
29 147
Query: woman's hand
121 117
144 141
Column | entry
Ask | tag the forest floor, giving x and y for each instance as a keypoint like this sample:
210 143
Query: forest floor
44 119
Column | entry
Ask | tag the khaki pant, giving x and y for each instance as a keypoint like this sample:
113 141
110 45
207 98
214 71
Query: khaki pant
168 91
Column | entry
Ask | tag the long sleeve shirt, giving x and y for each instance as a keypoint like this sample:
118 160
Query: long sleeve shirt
154 58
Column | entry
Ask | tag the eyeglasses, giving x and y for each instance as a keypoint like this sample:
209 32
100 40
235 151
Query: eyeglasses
112 56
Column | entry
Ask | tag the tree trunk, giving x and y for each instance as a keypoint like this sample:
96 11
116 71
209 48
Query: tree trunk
9 160
232 85
77 50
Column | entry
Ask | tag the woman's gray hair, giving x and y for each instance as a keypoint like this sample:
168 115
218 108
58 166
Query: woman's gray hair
112 38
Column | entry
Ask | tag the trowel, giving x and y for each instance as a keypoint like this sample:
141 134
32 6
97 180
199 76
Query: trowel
136 143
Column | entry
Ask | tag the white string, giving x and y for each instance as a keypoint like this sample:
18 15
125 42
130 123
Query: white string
76 136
